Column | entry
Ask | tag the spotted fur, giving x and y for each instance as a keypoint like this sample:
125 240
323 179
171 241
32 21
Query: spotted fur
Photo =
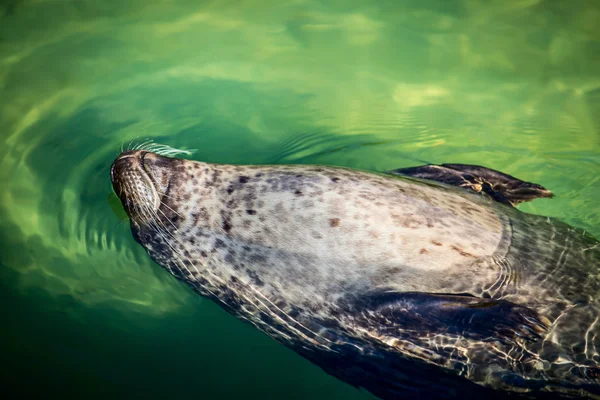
286 247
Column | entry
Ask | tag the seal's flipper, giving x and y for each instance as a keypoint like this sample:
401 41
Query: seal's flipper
496 185
456 314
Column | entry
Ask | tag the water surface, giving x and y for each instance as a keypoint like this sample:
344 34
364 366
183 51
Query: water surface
512 85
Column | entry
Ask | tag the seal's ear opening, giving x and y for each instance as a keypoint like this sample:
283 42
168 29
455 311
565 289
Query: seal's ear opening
498 186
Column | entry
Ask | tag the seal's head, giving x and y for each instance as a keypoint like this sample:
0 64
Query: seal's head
141 179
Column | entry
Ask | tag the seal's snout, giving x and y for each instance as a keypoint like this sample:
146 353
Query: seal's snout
141 179
134 186
126 160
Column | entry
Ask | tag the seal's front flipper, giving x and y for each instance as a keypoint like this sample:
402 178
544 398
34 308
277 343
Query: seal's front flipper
496 185
455 314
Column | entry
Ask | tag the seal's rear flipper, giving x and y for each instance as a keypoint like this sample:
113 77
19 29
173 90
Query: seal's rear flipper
496 185
455 314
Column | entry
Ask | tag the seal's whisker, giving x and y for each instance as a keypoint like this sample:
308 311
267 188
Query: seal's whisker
137 146
166 195
157 230
143 145
168 151
167 218
160 224
165 204
137 201
147 212
134 140
178 256
121 223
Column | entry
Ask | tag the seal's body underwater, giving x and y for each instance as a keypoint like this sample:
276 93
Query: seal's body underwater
402 285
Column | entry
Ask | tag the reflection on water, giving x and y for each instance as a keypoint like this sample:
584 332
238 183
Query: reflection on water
513 85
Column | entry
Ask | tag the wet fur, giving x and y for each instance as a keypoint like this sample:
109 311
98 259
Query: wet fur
284 247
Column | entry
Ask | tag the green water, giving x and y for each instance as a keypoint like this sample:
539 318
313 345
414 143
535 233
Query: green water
513 85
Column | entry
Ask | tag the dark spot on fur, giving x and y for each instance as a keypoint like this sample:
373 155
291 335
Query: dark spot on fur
226 221
298 192
335 179
203 253
243 179
258 258
308 203
367 196
293 313
333 222
250 196
255 278
219 243
280 303
461 251
423 251
436 243
266 319
250 212
232 203
230 189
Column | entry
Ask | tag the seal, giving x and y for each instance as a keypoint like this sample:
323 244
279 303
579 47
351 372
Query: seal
420 282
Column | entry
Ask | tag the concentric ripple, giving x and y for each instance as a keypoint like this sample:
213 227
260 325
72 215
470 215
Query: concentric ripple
512 85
